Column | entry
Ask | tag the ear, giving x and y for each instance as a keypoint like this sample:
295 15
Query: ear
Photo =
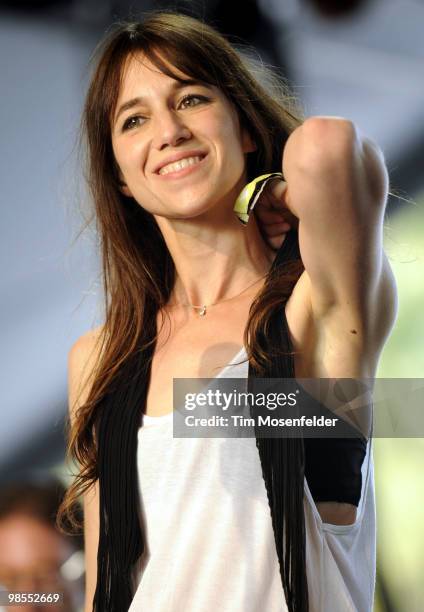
122 186
248 144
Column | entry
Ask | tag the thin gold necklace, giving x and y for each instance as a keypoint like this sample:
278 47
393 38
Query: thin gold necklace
202 309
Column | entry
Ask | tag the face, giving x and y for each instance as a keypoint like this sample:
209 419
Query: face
31 554
180 148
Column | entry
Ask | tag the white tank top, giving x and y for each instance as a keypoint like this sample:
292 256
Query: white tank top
210 542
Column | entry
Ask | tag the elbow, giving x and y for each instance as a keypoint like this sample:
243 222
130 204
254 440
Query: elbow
335 147
375 172
328 141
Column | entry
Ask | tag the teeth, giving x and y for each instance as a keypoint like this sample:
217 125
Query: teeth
180 165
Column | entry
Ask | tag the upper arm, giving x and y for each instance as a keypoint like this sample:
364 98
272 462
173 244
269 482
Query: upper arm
81 361
337 187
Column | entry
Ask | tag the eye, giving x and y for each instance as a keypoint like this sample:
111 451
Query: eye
193 97
134 120
131 122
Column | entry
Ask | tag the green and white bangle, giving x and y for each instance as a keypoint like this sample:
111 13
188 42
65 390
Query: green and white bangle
250 194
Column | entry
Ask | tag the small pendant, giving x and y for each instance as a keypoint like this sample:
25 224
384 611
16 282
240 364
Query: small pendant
203 311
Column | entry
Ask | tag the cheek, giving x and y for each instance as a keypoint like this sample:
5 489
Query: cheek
128 155
230 135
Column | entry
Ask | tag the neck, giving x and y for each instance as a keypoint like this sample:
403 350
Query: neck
235 264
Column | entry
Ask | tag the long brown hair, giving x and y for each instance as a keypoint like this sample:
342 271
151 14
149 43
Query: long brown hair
138 271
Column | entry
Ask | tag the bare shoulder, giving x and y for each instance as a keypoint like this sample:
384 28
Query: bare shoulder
87 340
84 350
82 359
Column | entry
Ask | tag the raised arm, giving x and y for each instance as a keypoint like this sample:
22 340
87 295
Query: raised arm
337 186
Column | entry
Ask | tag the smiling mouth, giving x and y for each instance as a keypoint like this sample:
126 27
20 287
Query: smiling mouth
182 166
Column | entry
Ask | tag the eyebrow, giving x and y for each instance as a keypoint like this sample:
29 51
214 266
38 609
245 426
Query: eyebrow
140 99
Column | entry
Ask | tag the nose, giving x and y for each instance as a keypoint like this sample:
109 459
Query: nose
170 130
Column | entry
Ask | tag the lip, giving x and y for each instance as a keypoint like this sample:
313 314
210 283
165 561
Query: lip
185 171
177 156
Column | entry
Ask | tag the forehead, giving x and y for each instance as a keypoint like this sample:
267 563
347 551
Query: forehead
139 71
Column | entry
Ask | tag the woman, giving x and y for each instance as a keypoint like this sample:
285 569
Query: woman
185 524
